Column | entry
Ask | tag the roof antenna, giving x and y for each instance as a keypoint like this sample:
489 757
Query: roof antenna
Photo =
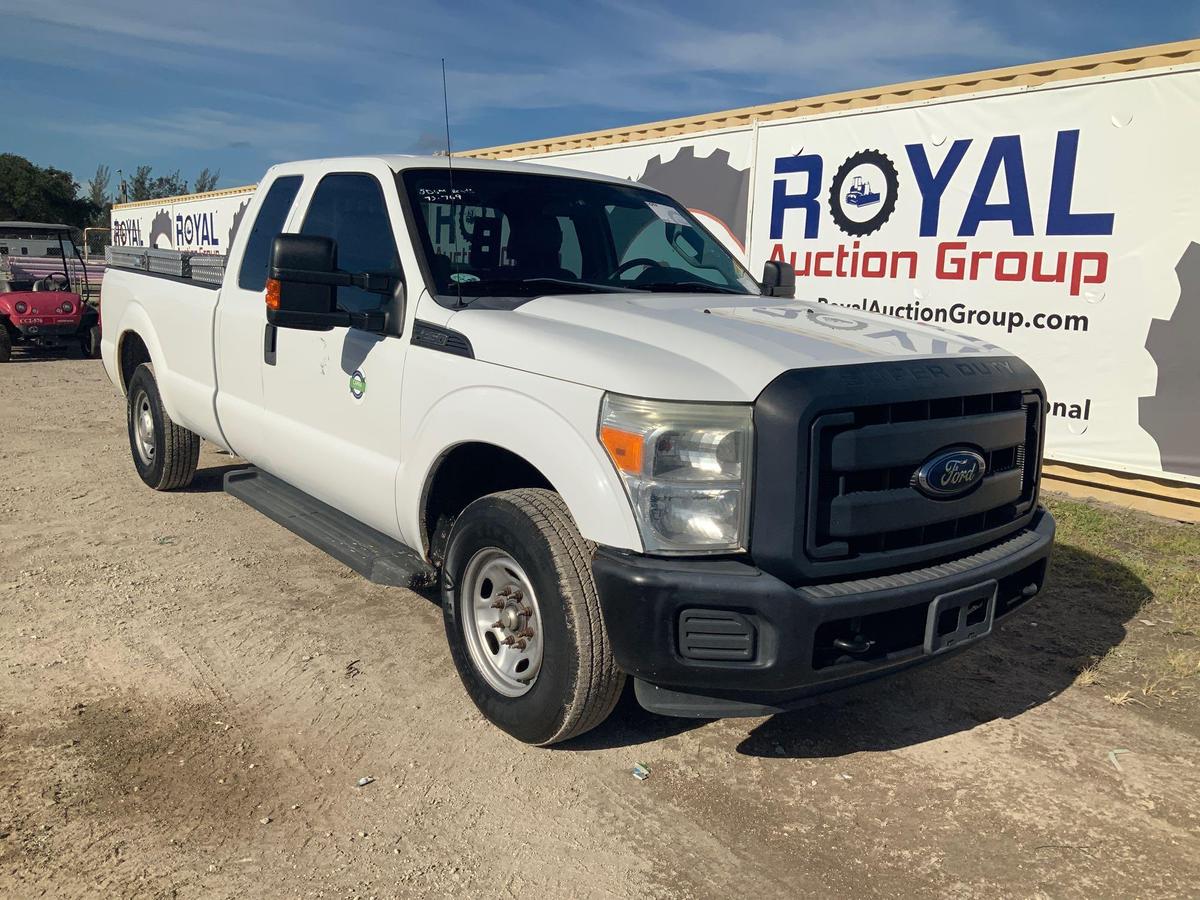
450 168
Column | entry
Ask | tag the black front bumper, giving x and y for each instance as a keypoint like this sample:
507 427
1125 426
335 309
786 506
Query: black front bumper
721 637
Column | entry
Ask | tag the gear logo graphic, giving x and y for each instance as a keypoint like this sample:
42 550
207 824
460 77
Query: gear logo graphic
708 184
161 227
1169 416
862 195
237 221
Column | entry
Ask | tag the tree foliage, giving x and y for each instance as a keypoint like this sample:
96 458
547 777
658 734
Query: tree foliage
41 194
97 193
144 185
206 180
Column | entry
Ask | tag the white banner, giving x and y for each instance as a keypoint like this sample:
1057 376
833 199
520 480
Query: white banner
1056 222
201 224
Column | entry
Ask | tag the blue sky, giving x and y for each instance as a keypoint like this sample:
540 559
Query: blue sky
241 85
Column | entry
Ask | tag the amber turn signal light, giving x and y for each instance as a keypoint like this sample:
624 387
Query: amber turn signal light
624 448
272 293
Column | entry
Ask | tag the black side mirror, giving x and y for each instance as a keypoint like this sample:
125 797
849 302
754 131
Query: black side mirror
779 279
303 283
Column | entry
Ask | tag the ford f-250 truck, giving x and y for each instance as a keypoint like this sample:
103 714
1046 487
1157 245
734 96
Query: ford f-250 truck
617 454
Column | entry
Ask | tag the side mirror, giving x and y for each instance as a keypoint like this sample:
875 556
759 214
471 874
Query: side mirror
300 291
779 279
303 283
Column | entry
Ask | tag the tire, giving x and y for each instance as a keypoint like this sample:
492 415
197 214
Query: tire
5 344
576 683
89 343
164 454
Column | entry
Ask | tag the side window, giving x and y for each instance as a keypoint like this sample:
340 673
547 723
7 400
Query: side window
271 216
349 207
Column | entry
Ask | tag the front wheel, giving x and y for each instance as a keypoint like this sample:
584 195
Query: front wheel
523 618
5 344
89 343
164 454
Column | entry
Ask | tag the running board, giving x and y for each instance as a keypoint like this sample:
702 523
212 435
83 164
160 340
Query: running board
375 556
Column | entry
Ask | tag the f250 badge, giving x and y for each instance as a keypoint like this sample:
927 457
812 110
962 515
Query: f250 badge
950 474
358 384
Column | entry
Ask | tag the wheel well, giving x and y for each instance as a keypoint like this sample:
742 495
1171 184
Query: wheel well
132 353
463 475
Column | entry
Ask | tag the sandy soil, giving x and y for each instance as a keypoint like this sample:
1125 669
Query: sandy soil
189 696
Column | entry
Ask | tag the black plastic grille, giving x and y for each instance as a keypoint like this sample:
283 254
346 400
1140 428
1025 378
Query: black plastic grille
863 503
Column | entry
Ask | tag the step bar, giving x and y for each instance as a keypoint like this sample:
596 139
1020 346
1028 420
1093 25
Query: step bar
378 558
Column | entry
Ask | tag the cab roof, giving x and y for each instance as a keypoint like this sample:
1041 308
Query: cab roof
400 162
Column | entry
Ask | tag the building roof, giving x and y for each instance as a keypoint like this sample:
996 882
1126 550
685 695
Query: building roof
1029 75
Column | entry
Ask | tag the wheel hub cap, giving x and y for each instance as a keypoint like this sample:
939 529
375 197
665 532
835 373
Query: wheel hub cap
501 622
143 429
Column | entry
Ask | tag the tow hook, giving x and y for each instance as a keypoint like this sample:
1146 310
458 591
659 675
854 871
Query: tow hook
855 646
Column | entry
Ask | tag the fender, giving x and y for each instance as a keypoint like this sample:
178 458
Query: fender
135 320
561 445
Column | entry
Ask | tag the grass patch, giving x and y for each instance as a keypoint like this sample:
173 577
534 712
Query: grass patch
1150 569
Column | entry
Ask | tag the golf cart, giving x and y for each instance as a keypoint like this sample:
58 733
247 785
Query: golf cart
43 286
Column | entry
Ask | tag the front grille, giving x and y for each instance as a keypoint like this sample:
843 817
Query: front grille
863 504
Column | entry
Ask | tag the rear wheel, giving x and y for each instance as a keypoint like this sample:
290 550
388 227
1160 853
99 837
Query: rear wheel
523 618
164 454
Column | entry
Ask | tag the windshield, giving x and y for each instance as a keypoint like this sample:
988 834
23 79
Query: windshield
510 234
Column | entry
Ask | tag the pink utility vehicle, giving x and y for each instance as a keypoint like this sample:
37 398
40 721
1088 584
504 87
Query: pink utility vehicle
43 290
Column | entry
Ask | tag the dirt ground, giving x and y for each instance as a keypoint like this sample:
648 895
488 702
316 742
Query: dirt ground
189 696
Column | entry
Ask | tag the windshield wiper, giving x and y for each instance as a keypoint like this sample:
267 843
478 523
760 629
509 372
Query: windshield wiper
522 286
690 287
580 286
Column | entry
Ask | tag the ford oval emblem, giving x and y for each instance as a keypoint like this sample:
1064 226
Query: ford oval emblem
950 473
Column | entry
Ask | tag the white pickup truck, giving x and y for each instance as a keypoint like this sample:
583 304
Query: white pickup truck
557 396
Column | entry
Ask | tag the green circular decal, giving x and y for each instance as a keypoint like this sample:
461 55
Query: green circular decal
358 384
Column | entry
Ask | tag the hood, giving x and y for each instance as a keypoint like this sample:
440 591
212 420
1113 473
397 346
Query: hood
693 346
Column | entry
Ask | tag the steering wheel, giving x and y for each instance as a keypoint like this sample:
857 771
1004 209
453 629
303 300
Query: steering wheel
53 282
630 263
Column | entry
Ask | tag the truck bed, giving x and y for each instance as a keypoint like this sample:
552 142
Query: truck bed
144 285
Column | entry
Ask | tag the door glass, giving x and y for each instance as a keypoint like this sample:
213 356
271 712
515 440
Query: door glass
349 207
267 226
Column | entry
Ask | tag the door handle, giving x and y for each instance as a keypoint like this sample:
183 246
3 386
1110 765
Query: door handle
269 344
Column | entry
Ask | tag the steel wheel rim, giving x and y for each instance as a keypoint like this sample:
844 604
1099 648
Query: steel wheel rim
143 428
501 622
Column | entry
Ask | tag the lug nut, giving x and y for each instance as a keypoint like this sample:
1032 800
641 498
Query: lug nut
509 640
525 633
498 604
517 595
520 645
497 624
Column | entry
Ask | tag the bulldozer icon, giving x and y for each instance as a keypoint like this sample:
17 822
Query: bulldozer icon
860 194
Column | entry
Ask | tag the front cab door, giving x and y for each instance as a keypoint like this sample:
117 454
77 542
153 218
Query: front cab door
332 398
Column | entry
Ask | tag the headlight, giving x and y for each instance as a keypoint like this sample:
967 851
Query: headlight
20 308
67 308
686 468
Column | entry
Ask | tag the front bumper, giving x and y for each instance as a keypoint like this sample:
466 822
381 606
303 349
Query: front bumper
49 332
711 638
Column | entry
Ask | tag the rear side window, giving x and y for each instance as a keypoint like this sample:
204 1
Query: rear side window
268 226
349 207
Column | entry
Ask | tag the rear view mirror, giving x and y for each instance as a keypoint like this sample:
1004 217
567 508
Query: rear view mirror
779 279
687 243
303 283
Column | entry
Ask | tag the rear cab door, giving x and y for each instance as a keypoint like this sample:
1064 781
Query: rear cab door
243 339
